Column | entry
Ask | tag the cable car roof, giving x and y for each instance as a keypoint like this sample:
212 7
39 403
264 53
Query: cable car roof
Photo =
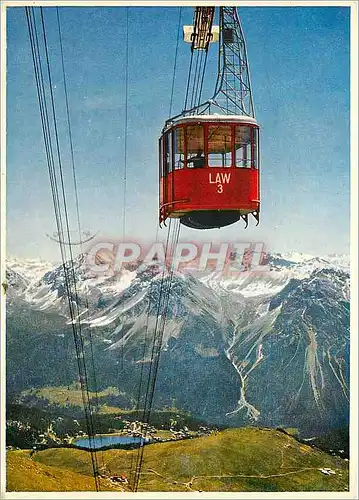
211 118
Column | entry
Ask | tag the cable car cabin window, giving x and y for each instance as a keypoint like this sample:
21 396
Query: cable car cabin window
255 148
178 136
243 146
195 146
219 146
168 153
160 156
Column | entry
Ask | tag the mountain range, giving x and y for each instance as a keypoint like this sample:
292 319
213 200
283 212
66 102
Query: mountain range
264 348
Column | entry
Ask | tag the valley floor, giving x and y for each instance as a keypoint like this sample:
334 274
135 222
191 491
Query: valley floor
245 459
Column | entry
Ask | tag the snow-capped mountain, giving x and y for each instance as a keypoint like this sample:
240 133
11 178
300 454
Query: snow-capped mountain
302 264
29 269
282 268
270 347
300 350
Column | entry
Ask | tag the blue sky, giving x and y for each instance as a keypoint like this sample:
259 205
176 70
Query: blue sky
299 64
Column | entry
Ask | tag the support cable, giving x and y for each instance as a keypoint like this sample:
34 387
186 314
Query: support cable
175 61
78 215
126 124
73 293
188 81
157 339
68 278
162 308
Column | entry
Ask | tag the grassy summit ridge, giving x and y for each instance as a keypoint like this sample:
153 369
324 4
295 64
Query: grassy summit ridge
244 459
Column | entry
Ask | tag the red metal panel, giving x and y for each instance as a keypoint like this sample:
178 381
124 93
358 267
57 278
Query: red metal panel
214 189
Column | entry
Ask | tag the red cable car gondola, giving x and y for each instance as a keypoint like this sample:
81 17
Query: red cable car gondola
209 170
209 161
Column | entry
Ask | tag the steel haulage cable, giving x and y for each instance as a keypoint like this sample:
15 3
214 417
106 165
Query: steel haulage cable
162 309
52 142
95 386
158 332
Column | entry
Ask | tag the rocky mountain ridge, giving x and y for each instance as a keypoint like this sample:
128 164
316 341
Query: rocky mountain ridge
270 348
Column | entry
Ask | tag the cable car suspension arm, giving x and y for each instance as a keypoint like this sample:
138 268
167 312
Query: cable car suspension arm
200 35
202 29
232 94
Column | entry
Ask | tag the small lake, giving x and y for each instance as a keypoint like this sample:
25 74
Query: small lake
100 441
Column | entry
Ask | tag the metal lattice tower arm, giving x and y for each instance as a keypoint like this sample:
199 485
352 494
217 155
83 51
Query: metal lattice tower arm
232 95
233 88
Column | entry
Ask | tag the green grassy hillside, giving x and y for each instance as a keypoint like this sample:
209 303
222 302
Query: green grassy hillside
67 401
25 474
245 459
66 396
